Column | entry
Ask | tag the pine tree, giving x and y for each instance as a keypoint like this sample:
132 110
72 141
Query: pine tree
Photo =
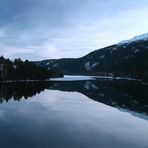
19 70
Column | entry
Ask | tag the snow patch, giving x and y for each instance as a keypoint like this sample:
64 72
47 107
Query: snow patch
1 67
54 65
14 66
89 66
47 63
137 50
95 64
136 38
124 46
102 57
114 48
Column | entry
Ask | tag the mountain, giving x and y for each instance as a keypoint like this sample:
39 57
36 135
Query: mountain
136 38
127 58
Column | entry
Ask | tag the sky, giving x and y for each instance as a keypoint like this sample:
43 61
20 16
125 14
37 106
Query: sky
49 29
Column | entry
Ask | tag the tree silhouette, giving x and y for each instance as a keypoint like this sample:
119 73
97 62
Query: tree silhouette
19 70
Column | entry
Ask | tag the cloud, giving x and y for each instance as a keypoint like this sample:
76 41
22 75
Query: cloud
45 29
2 32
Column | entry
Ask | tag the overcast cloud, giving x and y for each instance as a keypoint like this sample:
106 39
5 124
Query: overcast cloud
43 29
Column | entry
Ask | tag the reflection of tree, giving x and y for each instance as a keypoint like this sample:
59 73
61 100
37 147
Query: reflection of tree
18 90
120 94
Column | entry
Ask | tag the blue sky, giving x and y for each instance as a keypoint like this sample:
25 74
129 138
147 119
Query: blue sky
43 29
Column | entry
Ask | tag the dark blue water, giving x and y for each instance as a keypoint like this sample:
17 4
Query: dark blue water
72 115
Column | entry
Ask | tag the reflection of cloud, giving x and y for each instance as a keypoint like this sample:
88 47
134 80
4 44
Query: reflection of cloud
53 98
2 112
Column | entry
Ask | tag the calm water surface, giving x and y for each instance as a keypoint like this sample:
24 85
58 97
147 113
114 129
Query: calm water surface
80 114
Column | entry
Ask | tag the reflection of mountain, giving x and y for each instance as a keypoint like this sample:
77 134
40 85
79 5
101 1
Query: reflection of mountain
128 95
19 90
121 94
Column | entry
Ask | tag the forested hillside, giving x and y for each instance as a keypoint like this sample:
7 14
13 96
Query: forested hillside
19 70
127 59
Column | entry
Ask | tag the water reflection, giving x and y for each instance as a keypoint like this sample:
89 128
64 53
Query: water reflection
121 94
60 116
68 120
19 90
131 96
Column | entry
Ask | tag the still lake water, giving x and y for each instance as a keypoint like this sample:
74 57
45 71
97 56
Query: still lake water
74 114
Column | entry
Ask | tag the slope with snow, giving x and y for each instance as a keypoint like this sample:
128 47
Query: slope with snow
127 58
143 37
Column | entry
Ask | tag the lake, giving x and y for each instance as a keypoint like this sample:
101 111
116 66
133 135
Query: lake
74 112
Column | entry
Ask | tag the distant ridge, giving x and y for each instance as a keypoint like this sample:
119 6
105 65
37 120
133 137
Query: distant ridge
128 58
143 37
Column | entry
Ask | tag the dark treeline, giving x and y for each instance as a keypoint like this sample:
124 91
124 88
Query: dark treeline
21 90
117 93
136 67
19 70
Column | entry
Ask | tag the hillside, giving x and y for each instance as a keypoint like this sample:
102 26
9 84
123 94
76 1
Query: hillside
19 70
127 58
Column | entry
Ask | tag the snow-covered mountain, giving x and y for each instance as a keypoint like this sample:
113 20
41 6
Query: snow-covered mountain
127 58
143 37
